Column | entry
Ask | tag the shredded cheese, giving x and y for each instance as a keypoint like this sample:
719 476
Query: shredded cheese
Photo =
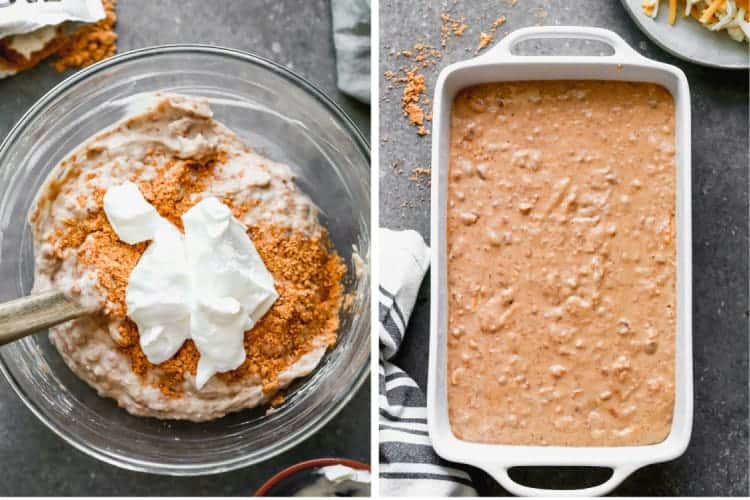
730 11
651 7
672 11
689 6
731 16
711 10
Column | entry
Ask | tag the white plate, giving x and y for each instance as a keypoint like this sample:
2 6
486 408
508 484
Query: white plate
500 64
690 40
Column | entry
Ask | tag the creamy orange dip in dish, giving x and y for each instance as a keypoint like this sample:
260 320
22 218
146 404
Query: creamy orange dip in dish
561 263
178 155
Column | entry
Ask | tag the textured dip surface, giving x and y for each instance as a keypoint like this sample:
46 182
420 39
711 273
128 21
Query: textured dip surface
178 154
561 263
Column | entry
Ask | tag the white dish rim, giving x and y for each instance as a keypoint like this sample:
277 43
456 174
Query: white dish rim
625 64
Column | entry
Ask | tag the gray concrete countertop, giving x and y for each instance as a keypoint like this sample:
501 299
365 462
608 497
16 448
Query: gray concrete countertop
716 462
296 34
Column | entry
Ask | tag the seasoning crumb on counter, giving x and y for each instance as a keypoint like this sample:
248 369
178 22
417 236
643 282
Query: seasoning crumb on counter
415 105
413 98
414 89
421 175
498 22
484 40
451 26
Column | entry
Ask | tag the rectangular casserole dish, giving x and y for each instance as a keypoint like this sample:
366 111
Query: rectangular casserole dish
499 64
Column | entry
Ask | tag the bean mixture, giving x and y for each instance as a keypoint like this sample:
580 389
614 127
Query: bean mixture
561 263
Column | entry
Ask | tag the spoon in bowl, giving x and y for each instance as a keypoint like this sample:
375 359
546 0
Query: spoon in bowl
27 315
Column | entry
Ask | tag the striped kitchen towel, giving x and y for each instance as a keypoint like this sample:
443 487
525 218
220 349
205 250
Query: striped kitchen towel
408 464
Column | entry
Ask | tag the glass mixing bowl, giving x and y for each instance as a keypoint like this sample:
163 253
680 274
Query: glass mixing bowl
281 116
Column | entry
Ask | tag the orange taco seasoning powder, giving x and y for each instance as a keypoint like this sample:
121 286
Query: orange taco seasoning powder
307 271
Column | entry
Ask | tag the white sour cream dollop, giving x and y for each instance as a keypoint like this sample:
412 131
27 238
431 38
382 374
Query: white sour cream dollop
209 285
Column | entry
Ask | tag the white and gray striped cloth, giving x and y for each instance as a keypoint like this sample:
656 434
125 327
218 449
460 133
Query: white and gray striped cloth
408 464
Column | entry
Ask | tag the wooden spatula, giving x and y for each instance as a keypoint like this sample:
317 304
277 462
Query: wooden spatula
30 314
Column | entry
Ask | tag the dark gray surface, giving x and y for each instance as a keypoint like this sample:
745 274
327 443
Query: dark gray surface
297 34
716 462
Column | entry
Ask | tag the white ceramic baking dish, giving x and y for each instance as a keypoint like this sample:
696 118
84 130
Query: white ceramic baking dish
500 64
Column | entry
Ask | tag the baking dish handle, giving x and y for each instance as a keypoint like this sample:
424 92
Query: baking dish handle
619 473
622 51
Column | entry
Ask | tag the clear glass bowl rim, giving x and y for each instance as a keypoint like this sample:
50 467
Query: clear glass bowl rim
186 48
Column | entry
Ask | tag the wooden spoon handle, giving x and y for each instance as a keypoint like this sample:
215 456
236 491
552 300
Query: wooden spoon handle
27 315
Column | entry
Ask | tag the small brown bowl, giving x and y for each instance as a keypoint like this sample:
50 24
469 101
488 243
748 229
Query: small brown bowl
275 483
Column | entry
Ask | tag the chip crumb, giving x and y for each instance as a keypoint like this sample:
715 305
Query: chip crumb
421 175
451 25
498 22
484 40
415 87
413 96
415 104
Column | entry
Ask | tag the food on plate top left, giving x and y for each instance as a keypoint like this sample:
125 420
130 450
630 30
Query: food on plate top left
78 34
